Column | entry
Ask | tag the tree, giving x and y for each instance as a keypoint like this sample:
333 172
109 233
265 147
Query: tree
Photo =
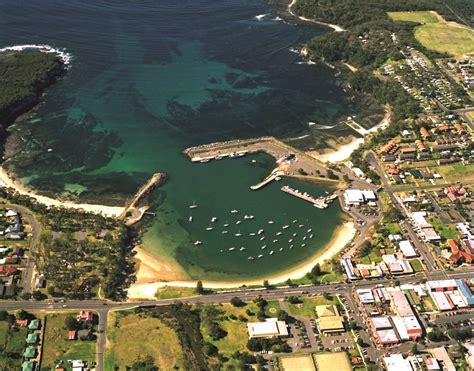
266 283
38 295
331 174
316 271
283 316
435 335
210 350
327 296
360 342
414 349
22 314
51 290
3 315
199 287
353 325
237 302
71 323
294 300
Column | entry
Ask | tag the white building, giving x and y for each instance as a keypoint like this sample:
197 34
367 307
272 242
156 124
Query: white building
407 249
356 197
268 329
396 362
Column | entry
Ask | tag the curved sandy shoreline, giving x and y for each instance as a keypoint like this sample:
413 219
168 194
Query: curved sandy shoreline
335 27
7 181
144 289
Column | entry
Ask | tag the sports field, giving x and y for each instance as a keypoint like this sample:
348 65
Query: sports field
297 363
327 361
437 34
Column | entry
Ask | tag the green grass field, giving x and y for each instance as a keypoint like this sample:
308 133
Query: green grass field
132 337
171 292
417 17
306 309
416 265
445 38
456 172
58 348
446 231
12 342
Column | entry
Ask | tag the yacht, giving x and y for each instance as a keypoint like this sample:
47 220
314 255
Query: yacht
303 245
234 211
271 252
270 222
242 248
238 234
250 258
209 228
238 222
260 256
260 231
225 232
197 243
248 217
231 248
190 219
310 236
214 219
264 247
309 230
285 226
193 206
279 233
290 240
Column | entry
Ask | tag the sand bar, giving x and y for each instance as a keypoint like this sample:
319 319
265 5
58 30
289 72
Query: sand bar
7 181
144 288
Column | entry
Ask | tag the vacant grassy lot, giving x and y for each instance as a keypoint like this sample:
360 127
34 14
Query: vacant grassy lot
171 292
416 265
455 40
11 347
328 361
456 172
306 308
446 231
132 337
417 17
58 348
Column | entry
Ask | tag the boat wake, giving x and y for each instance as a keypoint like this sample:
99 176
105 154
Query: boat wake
306 62
262 17
61 53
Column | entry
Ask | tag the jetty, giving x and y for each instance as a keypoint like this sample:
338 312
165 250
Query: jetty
273 175
320 202
131 213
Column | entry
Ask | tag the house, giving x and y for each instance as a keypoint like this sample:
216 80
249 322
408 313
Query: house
7 270
34 325
32 339
328 319
28 366
407 249
21 322
425 133
30 352
85 315
396 362
269 329
72 335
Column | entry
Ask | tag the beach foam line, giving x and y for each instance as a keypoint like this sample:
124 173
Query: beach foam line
65 56
343 235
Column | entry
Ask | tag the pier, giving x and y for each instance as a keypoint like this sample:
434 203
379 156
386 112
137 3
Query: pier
320 203
273 175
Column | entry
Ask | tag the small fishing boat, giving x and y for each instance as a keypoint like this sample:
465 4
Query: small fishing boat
209 228
250 258
260 231
309 230
294 234
271 222
264 247
285 226
226 224
193 206
271 252
295 221
238 222
225 232
279 233
303 245
197 243
291 246
231 248
190 219
248 217
260 256
301 225
262 238
310 236
238 234
275 241
290 240
214 219
252 233
242 248
234 211
304 238
281 248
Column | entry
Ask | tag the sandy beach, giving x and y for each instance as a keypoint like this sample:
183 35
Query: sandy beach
7 181
335 27
153 274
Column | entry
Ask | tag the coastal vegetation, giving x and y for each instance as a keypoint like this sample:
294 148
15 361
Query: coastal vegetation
24 76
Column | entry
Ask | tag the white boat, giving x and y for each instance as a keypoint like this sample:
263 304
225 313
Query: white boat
238 222
234 211
279 233
197 243
204 160
238 234
301 225
304 238
310 236
262 238
250 258
309 230
303 244
271 222
271 252
248 217
214 219
260 231
260 256
275 241
264 247
225 232
190 219
291 246
242 248
193 206
295 221
231 248
294 234
209 228
252 233
221 250
226 224
290 240
281 248
285 226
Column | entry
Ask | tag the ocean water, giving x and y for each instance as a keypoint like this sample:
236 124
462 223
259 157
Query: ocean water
150 78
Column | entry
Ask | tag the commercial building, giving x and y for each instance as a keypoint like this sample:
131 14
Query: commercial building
407 249
396 362
400 304
356 197
328 319
268 329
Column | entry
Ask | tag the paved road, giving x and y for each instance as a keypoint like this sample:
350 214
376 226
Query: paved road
101 337
36 233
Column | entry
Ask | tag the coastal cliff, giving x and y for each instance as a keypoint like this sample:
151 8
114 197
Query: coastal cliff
24 76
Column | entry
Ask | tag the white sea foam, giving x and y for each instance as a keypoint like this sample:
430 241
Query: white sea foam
294 50
61 53
277 19
306 62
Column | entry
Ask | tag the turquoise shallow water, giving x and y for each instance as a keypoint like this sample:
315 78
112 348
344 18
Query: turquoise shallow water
150 78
